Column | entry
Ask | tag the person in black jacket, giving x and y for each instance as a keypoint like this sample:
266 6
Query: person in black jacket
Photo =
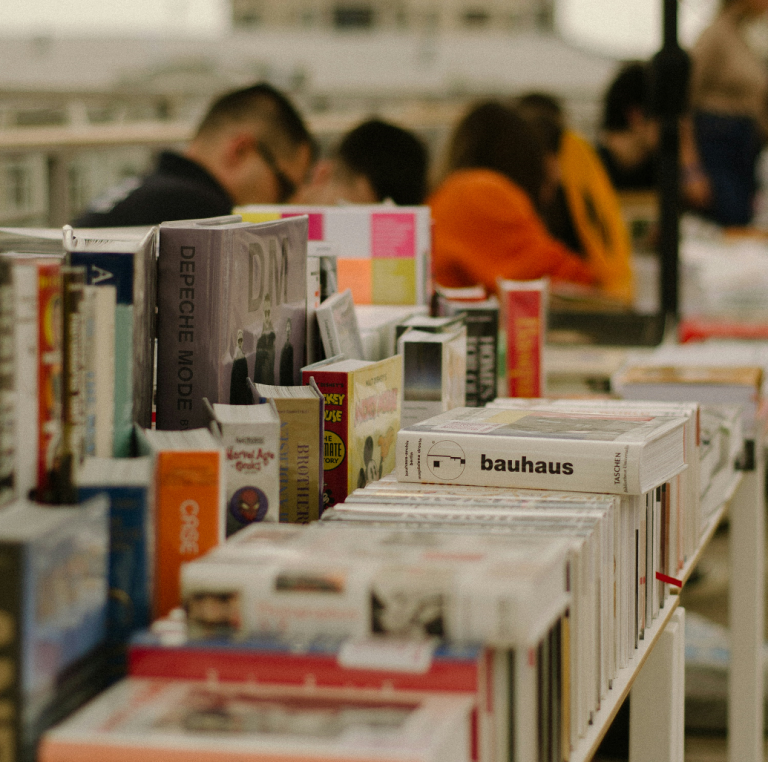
251 147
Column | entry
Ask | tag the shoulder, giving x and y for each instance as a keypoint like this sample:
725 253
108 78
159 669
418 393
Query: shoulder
468 189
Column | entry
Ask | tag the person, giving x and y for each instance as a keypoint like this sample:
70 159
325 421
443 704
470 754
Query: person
580 205
630 138
729 102
376 161
486 223
251 147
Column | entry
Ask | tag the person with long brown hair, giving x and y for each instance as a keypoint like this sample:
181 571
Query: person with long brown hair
485 210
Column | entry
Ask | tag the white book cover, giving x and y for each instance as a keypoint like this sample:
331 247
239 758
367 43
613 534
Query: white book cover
25 294
250 436
542 449
169 720
338 326
347 580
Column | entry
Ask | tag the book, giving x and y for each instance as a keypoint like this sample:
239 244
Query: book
482 321
542 449
362 417
301 411
250 436
203 722
524 319
434 372
337 322
344 580
383 252
8 466
99 384
393 667
188 483
231 306
128 264
53 602
430 324
378 326
127 482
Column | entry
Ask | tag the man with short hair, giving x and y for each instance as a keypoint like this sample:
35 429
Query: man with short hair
376 161
252 147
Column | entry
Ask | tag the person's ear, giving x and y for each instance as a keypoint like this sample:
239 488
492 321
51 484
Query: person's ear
238 148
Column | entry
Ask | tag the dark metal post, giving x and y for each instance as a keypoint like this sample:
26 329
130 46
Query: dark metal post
670 68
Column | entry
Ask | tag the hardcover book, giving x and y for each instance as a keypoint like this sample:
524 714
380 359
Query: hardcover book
188 485
127 482
300 409
53 562
128 264
482 321
169 720
337 322
542 449
383 251
362 417
250 436
434 372
232 299
524 315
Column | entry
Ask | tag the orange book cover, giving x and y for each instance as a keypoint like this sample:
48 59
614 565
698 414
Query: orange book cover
188 517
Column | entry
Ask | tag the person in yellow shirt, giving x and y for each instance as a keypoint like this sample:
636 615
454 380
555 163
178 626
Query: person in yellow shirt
581 207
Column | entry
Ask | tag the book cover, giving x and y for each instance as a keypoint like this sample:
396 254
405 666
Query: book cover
434 372
524 311
127 484
52 603
542 449
362 416
203 722
482 320
7 384
250 436
188 504
301 410
337 323
232 302
129 265
351 580
383 251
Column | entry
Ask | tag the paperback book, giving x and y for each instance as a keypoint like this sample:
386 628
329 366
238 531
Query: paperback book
337 322
232 302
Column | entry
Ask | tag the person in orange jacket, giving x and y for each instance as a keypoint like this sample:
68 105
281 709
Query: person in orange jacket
486 223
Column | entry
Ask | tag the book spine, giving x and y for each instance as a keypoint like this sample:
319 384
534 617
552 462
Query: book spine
104 370
11 658
186 351
335 389
314 343
525 327
49 320
518 462
144 262
7 384
26 339
189 517
129 604
117 270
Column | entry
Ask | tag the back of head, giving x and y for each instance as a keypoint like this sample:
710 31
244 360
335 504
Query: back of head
545 114
393 160
282 123
494 136
628 91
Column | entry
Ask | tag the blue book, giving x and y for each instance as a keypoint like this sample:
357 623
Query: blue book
53 598
126 482
130 266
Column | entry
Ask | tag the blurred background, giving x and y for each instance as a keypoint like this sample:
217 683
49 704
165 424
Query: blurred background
89 90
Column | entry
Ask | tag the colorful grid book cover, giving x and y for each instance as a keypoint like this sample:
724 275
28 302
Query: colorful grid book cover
383 251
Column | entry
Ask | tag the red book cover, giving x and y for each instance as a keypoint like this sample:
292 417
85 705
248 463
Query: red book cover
525 321
50 325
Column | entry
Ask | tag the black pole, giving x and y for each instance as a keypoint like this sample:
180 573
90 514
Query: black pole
670 68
